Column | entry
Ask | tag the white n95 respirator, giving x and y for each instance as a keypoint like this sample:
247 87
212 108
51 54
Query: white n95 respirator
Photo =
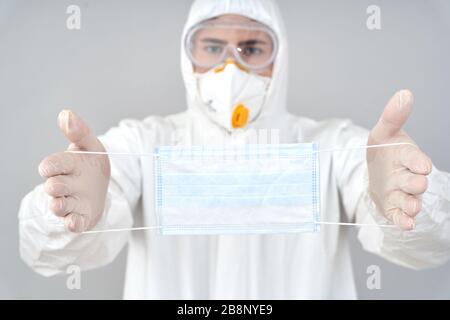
231 95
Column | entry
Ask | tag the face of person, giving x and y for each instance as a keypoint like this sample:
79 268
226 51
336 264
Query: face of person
253 45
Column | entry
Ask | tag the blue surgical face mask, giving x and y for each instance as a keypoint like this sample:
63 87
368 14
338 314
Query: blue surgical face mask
237 189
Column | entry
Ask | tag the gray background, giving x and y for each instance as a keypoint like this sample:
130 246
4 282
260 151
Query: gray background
124 62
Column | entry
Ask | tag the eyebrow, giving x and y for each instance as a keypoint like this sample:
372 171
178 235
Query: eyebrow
242 43
213 40
251 42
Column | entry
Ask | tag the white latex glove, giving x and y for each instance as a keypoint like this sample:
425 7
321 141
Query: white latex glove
77 183
397 175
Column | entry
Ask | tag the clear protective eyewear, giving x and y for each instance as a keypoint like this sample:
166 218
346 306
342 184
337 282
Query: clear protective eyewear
253 45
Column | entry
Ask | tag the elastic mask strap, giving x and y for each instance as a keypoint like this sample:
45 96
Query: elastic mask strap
151 154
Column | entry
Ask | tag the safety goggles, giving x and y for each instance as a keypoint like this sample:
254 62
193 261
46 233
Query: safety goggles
253 45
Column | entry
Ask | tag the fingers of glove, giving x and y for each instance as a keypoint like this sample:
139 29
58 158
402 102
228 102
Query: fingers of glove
76 222
409 204
393 118
415 160
62 206
58 186
78 132
401 219
411 183
57 164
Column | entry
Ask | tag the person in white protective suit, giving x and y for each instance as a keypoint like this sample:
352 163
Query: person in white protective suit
96 192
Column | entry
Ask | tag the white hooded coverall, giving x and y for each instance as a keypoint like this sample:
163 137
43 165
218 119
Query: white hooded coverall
283 266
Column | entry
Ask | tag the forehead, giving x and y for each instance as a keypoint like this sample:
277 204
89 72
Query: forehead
233 28
235 19
232 18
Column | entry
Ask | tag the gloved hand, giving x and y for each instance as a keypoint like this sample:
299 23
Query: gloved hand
397 175
77 183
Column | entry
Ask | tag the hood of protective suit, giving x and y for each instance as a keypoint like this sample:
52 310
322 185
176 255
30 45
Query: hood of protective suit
263 11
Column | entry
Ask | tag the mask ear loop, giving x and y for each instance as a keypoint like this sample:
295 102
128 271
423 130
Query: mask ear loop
314 152
315 222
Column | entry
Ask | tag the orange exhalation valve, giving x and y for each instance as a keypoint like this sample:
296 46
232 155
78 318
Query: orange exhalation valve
240 116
